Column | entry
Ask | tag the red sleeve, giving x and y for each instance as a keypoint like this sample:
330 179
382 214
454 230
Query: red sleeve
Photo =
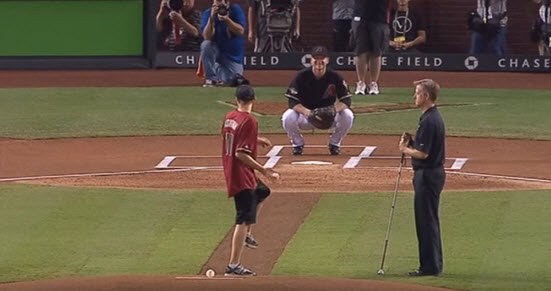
247 138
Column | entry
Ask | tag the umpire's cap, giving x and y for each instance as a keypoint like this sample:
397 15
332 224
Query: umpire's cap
244 93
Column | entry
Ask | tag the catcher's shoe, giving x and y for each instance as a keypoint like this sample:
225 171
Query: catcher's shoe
360 88
250 242
374 89
297 151
334 150
239 270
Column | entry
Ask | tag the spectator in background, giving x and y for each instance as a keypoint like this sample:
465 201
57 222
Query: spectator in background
490 29
543 28
342 21
273 24
186 19
222 51
370 36
407 29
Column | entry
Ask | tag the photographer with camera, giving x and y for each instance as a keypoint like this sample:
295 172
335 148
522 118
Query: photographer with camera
542 28
178 23
488 27
222 51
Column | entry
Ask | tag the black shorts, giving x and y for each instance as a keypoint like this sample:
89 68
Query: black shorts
246 203
369 37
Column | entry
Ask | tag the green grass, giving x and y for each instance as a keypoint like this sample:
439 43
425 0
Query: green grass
54 232
83 112
492 240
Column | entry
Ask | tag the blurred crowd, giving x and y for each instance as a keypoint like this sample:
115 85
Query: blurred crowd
275 25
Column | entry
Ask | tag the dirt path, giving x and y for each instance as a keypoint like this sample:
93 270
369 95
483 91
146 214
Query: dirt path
280 218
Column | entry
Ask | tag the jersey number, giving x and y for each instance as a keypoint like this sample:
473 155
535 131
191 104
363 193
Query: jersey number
228 137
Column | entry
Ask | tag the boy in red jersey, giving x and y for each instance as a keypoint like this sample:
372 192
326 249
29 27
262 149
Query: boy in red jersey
239 151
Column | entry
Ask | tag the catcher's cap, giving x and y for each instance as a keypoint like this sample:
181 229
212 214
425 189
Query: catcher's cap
244 93
319 51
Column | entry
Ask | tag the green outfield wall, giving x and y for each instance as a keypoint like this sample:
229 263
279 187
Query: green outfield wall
71 28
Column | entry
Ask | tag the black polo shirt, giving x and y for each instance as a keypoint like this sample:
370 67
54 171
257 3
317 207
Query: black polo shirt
313 93
430 138
372 10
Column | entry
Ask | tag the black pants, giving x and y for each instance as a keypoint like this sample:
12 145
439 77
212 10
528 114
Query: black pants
428 184
341 35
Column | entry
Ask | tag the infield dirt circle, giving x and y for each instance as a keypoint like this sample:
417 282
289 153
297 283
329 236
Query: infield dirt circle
131 162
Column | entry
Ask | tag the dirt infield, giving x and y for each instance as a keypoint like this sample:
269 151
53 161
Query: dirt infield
130 162
179 77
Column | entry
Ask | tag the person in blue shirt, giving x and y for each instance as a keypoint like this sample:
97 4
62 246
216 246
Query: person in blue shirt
223 27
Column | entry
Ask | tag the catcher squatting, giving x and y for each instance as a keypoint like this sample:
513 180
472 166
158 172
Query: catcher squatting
311 98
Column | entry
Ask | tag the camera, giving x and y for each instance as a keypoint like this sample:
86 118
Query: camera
222 9
175 5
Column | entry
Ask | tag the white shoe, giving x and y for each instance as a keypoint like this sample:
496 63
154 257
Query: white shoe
360 88
209 83
373 89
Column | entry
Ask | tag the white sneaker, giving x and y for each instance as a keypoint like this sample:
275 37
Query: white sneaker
209 83
373 89
360 88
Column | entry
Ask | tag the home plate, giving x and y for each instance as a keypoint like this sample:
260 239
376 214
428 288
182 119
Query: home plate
311 163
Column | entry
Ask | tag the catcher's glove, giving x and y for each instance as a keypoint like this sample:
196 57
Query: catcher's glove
407 139
323 117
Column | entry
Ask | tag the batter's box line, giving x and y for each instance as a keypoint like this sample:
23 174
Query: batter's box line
273 156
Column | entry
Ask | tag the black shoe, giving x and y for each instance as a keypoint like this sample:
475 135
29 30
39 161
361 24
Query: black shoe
418 273
250 242
297 151
334 150
239 270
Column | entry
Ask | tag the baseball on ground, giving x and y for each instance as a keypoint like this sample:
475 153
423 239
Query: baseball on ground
210 273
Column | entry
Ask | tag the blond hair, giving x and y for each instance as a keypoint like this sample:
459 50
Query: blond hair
430 87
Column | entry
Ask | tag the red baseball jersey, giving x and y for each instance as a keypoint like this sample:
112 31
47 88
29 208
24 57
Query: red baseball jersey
239 134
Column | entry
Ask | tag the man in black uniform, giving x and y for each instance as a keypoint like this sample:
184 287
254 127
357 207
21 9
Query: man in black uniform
427 158
316 87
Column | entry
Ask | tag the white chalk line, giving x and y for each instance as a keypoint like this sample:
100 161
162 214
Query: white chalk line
500 177
108 174
450 171
219 168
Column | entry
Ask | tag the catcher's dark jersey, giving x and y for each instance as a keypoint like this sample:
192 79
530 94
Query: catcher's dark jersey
312 93
240 134
430 138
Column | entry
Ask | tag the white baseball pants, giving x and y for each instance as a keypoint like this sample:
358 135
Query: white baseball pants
294 122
